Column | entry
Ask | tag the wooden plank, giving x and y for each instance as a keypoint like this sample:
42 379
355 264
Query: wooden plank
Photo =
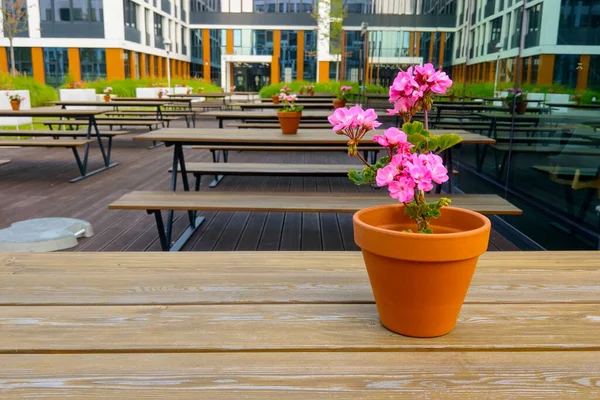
275 137
281 148
275 125
274 169
300 375
288 327
290 277
297 202
44 143
79 133
51 112
3 162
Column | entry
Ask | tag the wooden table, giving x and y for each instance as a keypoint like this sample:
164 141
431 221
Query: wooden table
179 137
92 129
271 106
271 115
143 102
305 99
288 325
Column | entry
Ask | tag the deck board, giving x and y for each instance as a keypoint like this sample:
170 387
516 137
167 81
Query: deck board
35 184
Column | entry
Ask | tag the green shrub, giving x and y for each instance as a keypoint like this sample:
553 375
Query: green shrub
322 87
126 87
40 94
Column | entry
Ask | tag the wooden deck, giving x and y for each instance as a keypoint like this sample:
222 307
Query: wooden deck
36 184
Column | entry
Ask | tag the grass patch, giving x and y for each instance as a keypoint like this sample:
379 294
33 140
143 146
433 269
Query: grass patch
126 87
39 93
323 87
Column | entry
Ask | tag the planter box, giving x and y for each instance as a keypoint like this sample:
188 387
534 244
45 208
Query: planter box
78 95
181 90
25 105
150 93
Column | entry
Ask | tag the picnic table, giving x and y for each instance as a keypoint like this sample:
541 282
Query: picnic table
155 103
575 105
263 106
92 130
288 325
179 137
305 99
269 115
167 100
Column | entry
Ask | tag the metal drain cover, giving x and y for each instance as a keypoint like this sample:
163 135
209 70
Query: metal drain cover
44 234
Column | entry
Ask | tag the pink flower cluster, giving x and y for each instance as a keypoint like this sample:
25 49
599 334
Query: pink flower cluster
290 98
412 89
345 88
408 171
346 120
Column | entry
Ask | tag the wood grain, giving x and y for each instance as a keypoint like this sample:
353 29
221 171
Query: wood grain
275 137
275 278
271 169
367 375
37 112
293 202
288 327
80 133
45 143
282 148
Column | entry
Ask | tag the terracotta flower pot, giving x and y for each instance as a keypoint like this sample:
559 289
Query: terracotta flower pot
338 103
200 90
289 121
107 97
160 95
311 92
15 104
521 107
420 280
275 99
188 92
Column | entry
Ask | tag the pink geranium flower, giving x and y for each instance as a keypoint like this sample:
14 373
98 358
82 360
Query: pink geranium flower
439 173
386 175
402 189
342 118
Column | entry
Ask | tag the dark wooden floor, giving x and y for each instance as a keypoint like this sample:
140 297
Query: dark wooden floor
36 184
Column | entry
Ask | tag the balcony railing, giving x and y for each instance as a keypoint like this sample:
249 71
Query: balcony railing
532 39
133 35
158 42
183 15
491 47
184 50
461 18
165 5
514 40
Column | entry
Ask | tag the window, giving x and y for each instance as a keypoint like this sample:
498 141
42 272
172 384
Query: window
158 31
71 10
284 6
56 65
579 22
534 20
23 60
196 44
565 70
93 64
127 64
130 13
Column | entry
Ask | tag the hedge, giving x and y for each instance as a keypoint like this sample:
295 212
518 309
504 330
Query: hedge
39 93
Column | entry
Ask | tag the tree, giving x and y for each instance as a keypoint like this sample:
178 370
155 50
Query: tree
14 21
330 24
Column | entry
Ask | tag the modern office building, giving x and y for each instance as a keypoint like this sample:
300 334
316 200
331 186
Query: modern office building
250 43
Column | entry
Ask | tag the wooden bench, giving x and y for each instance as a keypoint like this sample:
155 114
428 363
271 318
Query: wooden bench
4 162
72 144
156 202
110 123
67 134
187 115
275 125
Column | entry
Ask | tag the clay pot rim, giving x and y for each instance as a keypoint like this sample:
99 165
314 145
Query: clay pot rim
432 236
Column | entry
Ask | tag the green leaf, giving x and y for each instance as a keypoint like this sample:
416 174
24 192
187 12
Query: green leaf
356 177
448 140
426 230
417 139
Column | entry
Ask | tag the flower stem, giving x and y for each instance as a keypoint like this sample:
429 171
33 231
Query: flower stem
426 118
362 159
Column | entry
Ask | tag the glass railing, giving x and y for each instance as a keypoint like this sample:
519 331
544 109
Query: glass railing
579 36
252 51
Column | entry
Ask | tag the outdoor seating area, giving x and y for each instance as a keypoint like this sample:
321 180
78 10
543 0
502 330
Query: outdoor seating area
242 222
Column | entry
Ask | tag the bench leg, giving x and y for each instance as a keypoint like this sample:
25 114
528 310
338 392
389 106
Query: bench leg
164 236
187 122
155 144
82 165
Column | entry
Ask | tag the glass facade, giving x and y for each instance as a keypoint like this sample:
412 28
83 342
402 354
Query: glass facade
250 42
72 10
56 65
130 13
565 70
288 56
310 56
217 46
579 22
594 73
127 64
93 64
284 6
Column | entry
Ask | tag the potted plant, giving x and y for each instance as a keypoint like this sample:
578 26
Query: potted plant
107 92
162 92
284 90
577 98
342 97
290 114
420 256
516 100
15 100
232 89
200 89
310 89
301 91
188 91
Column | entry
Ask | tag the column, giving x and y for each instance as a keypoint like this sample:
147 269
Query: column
115 65
132 66
582 74
442 49
300 56
206 54
37 61
4 60
151 63
159 60
411 49
143 64
276 55
545 69
74 63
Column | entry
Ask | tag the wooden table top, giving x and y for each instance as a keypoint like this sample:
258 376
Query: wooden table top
574 105
193 95
263 114
276 138
317 105
154 99
121 103
46 112
288 325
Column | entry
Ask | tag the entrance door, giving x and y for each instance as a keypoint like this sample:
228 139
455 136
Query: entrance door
251 77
